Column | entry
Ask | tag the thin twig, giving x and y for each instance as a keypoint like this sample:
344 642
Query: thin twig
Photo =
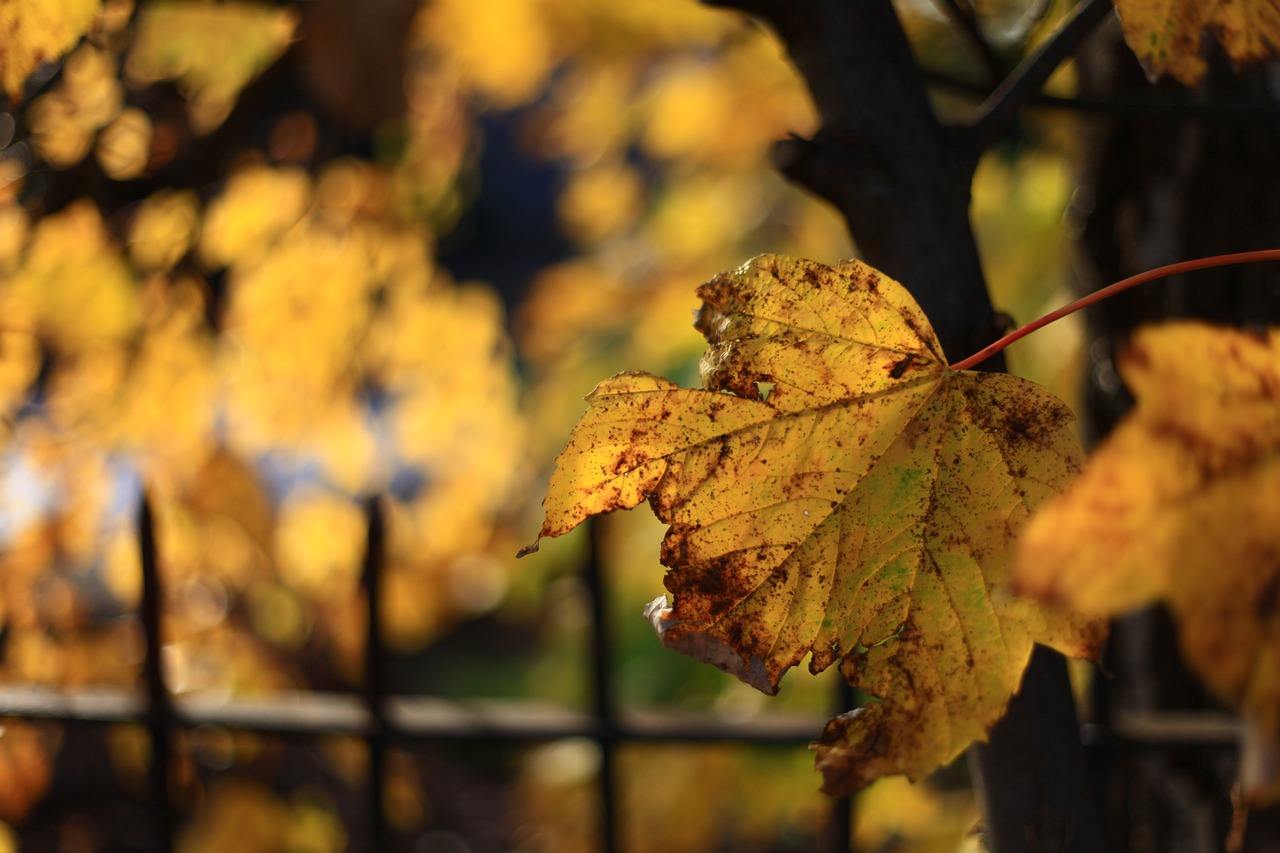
1130 103
997 113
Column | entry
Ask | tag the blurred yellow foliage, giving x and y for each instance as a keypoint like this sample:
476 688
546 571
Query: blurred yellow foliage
163 229
688 109
437 135
1018 208
87 98
503 48
695 218
257 206
725 111
319 543
14 225
405 805
212 50
35 31
600 201
25 766
124 145
313 825
311 288
166 415
899 815
72 287
19 365
468 451
742 797
328 293
237 814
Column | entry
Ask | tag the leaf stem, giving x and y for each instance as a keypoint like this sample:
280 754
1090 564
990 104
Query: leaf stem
1111 290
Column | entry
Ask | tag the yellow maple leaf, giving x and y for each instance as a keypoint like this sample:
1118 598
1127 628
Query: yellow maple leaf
1166 34
836 489
35 31
1179 504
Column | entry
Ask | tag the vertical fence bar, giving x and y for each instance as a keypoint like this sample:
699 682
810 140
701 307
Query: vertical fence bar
375 685
839 829
160 715
605 709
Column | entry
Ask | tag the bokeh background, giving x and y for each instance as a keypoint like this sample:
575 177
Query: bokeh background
266 260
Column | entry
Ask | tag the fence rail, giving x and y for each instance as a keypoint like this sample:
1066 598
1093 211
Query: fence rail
409 717
384 719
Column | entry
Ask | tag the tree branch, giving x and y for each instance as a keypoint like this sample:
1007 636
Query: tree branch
994 118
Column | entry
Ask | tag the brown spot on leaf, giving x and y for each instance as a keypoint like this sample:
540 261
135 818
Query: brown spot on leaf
901 366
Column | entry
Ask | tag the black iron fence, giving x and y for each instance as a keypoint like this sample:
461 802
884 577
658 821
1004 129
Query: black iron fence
385 720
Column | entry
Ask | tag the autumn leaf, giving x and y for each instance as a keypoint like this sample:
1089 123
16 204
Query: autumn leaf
36 31
1179 505
1166 34
836 490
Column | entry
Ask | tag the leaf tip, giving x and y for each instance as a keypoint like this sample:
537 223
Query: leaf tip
680 636
529 549
851 751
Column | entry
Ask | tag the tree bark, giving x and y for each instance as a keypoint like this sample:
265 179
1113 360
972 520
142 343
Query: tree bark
900 178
